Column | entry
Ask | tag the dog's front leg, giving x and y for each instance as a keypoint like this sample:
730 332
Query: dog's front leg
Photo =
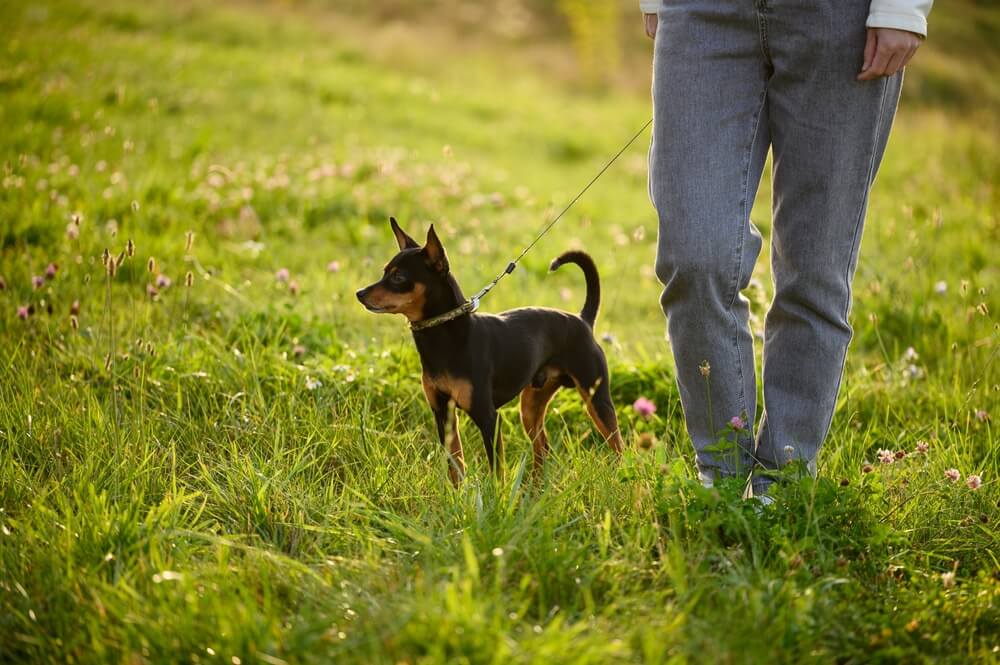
484 414
446 418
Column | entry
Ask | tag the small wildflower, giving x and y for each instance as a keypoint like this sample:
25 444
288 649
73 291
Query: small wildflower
789 452
953 475
298 350
705 369
23 313
737 423
910 354
900 454
646 441
886 456
162 281
644 407
948 580
923 447
912 625
74 309
293 287
151 265
497 551
72 231
130 248
51 270
608 338
282 275
867 468
312 384
982 416
189 279
941 288
844 482
76 218
37 282
188 241
973 481
333 266
152 292
167 576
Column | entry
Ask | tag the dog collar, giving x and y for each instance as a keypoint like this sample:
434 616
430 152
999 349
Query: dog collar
468 307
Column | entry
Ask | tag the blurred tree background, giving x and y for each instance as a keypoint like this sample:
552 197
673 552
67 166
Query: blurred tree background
600 44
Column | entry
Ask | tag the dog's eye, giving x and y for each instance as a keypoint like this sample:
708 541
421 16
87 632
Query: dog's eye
397 278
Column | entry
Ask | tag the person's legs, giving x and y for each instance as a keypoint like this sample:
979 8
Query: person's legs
710 141
828 133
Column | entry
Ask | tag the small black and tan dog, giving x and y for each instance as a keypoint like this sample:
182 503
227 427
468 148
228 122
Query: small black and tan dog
479 362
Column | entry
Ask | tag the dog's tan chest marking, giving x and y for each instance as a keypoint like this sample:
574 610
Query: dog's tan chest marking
458 390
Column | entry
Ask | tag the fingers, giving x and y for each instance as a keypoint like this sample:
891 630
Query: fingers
896 62
887 51
879 64
871 42
650 21
909 56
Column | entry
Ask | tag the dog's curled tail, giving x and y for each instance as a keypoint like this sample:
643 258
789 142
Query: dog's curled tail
593 300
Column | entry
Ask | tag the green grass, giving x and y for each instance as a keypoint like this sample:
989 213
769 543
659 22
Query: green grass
173 490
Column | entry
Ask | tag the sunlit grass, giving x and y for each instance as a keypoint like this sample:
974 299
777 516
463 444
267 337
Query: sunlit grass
201 461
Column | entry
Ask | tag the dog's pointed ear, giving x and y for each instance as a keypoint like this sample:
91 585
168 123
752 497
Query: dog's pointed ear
435 252
404 241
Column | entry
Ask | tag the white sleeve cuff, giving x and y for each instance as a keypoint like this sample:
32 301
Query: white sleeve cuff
898 21
649 6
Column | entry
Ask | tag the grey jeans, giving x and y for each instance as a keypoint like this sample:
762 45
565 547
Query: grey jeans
732 79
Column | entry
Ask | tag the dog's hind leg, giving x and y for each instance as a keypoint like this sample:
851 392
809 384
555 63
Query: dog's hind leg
534 402
591 379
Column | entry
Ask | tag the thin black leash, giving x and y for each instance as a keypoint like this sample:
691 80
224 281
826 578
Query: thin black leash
513 264
472 304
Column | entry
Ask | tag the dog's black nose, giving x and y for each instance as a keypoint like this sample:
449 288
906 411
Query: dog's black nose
361 294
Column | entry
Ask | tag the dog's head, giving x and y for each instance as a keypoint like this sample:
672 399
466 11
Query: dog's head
410 279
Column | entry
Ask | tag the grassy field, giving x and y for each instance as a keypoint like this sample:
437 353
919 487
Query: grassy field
202 460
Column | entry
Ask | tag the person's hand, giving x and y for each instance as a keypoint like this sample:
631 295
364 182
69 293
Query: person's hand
887 51
650 21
